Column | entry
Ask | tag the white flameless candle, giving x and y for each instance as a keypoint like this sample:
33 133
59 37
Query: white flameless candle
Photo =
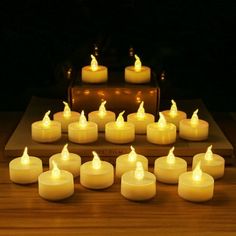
66 117
137 74
193 129
120 131
56 184
141 119
83 131
96 174
46 131
94 73
66 161
173 115
102 116
168 168
127 162
138 185
196 186
25 169
211 163
161 132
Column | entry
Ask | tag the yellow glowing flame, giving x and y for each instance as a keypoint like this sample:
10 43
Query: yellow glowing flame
209 154
132 155
46 119
94 63
25 157
102 109
65 153
162 121
96 162
173 109
141 111
139 171
197 172
137 63
56 173
82 120
120 120
67 111
171 157
194 118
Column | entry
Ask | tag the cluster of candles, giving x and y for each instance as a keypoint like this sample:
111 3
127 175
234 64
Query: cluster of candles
117 130
137 183
95 73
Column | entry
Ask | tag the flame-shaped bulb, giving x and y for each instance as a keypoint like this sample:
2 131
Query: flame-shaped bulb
194 118
56 173
102 109
162 121
65 153
25 157
209 155
67 111
46 120
173 109
94 63
137 63
171 157
139 171
96 162
120 120
82 120
132 156
197 172
141 111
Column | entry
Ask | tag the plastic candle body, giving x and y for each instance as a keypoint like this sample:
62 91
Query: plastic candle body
137 74
66 117
94 73
211 163
168 168
173 115
119 131
25 169
56 184
96 174
46 131
196 186
83 131
66 161
193 129
101 117
127 162
138 185
161 132
140 120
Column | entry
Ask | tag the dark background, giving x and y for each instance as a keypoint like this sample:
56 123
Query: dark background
192 41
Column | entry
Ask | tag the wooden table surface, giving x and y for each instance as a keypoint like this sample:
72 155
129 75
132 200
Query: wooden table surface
23 212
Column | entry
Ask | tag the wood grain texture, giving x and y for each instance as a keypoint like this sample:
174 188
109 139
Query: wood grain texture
87 212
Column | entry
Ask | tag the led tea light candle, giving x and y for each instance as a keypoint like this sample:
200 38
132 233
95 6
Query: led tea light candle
25 169
94 73
96 174
83 131
102 116
127 162
161 132
141 119
137 74
66 117
211 163
120 131
196 186
168 168
173 115
66 161
138 185
46 131
56 184
193 129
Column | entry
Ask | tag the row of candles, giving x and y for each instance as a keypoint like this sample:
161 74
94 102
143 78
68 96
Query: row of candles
137 183
118 131
95 73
